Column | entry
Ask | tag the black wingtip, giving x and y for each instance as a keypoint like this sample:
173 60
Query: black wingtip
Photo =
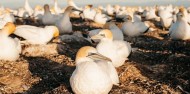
147 29
130 54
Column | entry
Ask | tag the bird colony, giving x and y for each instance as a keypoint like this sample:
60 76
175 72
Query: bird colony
94 50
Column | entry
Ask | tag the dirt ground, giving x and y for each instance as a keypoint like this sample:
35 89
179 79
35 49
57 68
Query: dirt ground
158 66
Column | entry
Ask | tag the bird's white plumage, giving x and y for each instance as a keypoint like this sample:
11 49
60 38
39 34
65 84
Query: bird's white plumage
48 18
35 35
132 29
116 50
89 13
117 33
10 48
92 77
180 30
28 8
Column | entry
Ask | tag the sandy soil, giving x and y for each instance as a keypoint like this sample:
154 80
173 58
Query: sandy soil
158 66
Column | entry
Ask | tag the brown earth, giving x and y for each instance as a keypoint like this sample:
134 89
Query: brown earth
158 66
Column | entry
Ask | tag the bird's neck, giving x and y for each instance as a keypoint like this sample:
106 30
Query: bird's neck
26 4
106 40
66 16
81 60
3 34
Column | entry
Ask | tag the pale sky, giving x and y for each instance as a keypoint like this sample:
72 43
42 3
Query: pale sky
62 3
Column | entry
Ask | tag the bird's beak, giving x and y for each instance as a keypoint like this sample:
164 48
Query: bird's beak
96 37
9 28
113 19
74 9
97 56
56 32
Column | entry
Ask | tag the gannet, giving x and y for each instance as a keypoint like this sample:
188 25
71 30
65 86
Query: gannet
150 14
166 17
71 3
132 29
110 10
116 50
8 17
10 48
102 9
121 13
94 73
57 9
180 30
22 13
28 8
89 13
64 24
186 14
49 18
38 12
36 35
100 18
136 17
2 23
116 32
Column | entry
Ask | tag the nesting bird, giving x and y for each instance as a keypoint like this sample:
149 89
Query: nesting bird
72 3
28 8
166 17
94 73
132 29
57 9
10 48
116 32
37 35
64 24
180 30
100 18
48 18
89 13
116 50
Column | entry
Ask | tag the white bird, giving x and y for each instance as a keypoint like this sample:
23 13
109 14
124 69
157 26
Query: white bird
116 32
38 12
10 48
49 18
166 17
116 50
180 30
28 8
36 35
71 3
101 18
89 13
64 24
7 16
2 23
22 13
150 14
57 8
133 29
110 10
94 73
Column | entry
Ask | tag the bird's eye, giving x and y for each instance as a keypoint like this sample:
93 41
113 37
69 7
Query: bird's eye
91 53
102 35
